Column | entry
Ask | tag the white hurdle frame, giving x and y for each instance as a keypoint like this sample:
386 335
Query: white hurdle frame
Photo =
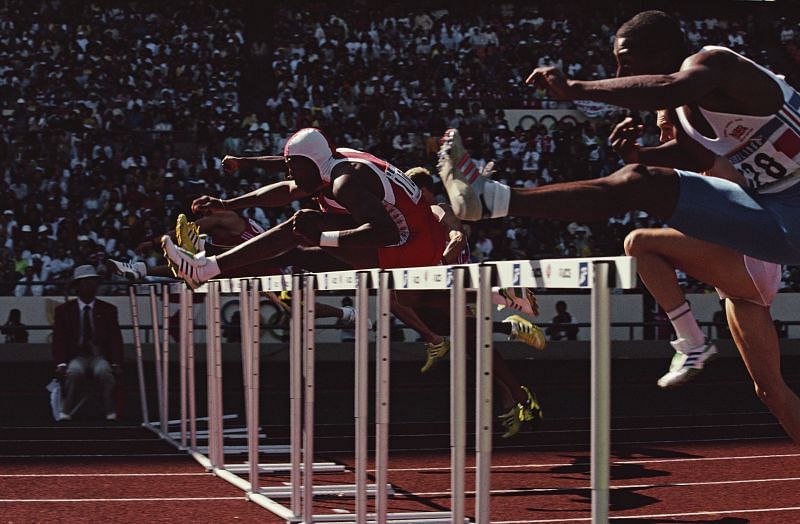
598 275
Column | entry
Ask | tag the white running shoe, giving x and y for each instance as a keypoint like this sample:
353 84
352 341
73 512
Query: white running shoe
183 264
462 179
520 299
687 362
133 271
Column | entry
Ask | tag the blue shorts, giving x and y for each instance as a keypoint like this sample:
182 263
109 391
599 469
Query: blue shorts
762 225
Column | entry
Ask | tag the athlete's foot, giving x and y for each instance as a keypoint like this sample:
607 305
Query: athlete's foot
132 271
521 299
526 331
435 353
188 235
687 362
461 177
192 269
522 412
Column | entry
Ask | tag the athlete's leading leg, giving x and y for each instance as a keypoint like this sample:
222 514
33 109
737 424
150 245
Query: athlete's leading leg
755 336
658 253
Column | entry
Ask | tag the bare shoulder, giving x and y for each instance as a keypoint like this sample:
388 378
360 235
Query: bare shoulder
714 58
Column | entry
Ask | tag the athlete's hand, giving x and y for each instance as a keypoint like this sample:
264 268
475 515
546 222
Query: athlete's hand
623 140
230 164
207 204
307 226
554 80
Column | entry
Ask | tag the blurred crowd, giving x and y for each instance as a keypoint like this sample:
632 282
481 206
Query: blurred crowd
116 115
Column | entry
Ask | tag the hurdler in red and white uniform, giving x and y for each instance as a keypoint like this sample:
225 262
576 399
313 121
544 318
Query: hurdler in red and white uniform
421 239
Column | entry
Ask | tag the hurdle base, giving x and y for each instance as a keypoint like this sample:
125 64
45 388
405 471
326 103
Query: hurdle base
329 490
284 467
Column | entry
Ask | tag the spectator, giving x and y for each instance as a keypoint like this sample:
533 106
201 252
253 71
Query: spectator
14 329
87 344
563 326
29 285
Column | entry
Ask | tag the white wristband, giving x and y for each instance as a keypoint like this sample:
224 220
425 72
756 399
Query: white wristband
329 239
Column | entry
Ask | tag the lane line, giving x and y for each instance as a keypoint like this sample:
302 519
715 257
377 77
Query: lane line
616 462
49 475
658 515
97 455
614 487
144 499
151 439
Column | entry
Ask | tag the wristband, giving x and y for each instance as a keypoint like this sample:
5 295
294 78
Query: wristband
329 239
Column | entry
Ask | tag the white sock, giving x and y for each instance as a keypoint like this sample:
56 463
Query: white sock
686 326
208 270
497 197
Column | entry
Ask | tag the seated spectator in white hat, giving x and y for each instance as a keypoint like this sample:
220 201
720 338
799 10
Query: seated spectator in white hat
87 344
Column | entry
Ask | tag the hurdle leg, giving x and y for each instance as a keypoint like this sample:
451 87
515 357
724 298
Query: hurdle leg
218 411
458 393
361 393
190 371
165 355
296 390
185 299
601 390
382 400
253 385
308 400
483 400
162 417
137 342
211 383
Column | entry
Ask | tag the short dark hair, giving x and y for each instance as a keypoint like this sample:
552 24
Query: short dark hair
654 31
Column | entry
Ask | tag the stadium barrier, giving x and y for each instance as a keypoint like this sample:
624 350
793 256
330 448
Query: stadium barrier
599 275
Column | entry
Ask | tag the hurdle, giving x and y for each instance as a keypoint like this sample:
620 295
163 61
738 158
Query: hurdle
597 275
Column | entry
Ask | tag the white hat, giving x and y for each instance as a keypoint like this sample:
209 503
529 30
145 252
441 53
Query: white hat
85 271
43 229
312 144
26 229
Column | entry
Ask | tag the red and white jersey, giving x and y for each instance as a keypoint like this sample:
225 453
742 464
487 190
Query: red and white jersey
253 229
765 149
402 198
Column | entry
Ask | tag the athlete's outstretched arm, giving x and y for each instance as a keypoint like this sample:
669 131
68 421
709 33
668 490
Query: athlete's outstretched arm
456 239
278 194
697 78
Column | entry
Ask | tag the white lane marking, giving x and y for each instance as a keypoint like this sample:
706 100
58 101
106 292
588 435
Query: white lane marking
659 515
615 487
642 461
143 499
50 475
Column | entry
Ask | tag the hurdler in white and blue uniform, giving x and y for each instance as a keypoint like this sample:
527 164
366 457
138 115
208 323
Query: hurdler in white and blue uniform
766 150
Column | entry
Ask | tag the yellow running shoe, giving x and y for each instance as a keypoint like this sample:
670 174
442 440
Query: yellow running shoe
522 412
436 352
188 235
526 331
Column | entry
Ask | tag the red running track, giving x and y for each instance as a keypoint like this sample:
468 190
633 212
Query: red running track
725 469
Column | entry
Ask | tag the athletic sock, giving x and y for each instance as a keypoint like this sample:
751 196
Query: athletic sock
208 270
686 326
496 197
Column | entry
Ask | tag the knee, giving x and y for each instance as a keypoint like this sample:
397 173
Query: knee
635 243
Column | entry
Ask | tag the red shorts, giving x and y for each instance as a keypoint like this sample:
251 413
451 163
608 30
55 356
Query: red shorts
424 247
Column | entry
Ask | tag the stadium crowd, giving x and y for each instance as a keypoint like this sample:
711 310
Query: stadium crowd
116 115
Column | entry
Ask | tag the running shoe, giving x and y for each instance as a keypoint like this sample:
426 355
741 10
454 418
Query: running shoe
521 299
526 331
132 271
183 264
522 412
461 177
188 235
687 362
436 352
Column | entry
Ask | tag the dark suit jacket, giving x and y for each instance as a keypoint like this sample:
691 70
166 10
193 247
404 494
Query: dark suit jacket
67 332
